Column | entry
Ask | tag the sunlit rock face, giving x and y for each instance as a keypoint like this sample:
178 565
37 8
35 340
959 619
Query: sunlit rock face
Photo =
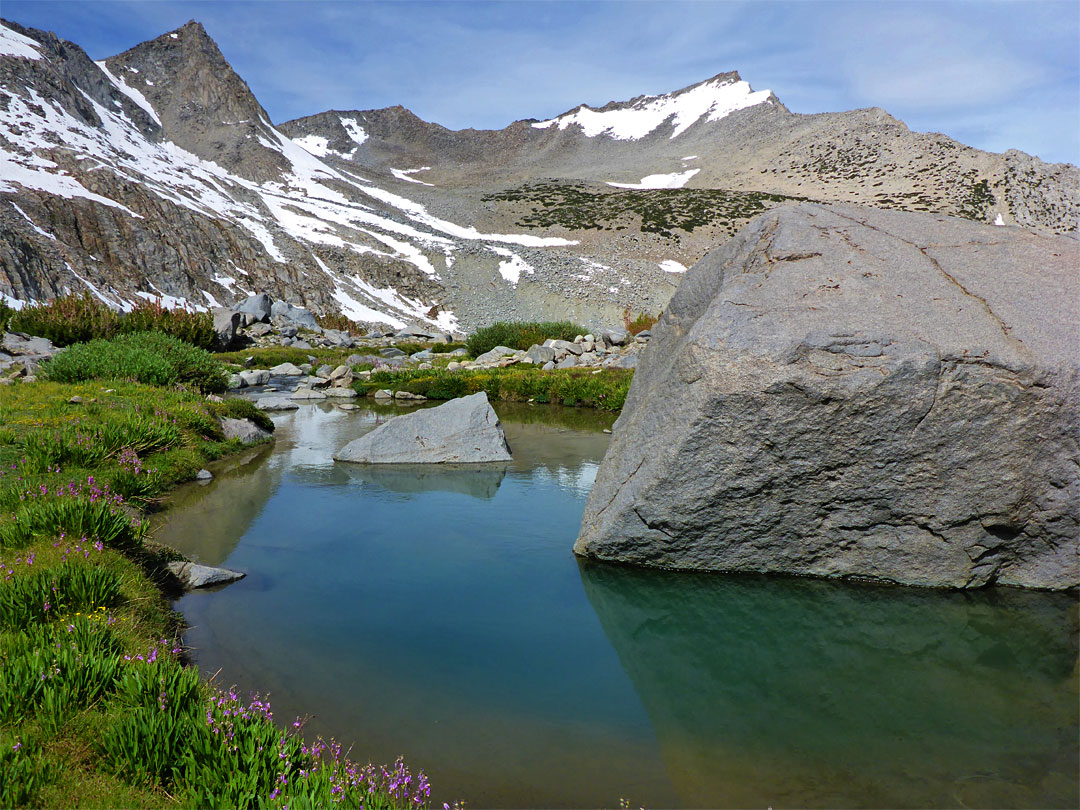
846 392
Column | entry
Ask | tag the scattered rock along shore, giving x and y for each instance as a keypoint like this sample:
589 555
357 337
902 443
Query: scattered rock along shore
847 392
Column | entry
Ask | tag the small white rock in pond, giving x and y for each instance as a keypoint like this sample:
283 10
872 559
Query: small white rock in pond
204 475
348 406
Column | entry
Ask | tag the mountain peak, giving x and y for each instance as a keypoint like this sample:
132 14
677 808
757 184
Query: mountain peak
204 106
708 100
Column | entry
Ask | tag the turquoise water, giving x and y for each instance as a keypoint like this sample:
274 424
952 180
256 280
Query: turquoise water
441 615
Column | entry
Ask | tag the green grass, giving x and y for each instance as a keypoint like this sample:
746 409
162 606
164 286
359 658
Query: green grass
520 335
96 709
604 388
153 358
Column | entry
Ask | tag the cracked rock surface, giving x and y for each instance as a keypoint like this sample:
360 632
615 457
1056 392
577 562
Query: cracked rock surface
840 391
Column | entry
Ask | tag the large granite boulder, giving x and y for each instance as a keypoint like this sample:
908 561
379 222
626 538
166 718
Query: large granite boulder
258 306
226 322
284 313
849 392
461 431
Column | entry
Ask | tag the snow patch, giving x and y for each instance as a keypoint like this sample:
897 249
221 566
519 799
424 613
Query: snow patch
32 224
999 220
710 101
169 301
354 130
403 174
674 180
13 43
316 144
513 266
130 92
110 303
672 266
14 303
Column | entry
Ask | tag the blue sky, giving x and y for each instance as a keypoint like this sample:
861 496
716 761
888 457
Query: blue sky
995 75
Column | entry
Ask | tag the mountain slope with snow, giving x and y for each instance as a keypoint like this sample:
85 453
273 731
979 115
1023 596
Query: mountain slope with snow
157 173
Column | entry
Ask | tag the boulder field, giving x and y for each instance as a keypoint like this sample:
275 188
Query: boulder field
847 392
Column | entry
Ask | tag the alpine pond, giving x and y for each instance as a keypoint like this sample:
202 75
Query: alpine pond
440 614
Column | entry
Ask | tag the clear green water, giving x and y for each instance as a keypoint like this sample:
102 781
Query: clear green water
442 616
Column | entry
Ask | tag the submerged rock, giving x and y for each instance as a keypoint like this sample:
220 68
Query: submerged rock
843 391
464 430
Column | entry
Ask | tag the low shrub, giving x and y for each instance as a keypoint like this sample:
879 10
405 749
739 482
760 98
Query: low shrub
643 321
5 315
196 328
153 358
335 320
80 318
67 320
519 335
573 387
237 408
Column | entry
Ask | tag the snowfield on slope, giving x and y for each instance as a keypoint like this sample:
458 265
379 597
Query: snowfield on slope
710 101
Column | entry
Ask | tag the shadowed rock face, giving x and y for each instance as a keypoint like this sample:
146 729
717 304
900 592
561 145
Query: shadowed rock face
804 693
846 392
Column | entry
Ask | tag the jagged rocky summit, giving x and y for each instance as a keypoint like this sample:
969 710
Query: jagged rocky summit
846 392
156 173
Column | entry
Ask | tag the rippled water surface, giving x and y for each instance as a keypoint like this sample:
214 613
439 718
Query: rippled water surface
440 614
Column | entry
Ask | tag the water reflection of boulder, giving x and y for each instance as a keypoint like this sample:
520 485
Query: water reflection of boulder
210 531
808 693
479 481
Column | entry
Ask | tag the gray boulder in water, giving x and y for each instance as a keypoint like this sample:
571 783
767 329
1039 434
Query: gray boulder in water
848 392
462 431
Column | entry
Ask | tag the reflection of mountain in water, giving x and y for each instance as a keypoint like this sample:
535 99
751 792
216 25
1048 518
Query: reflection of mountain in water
206 523
798 692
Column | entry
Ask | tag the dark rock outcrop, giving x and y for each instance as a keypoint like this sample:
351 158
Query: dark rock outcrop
841 391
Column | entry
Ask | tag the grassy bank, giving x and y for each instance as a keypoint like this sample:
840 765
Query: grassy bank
594 388
96 709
